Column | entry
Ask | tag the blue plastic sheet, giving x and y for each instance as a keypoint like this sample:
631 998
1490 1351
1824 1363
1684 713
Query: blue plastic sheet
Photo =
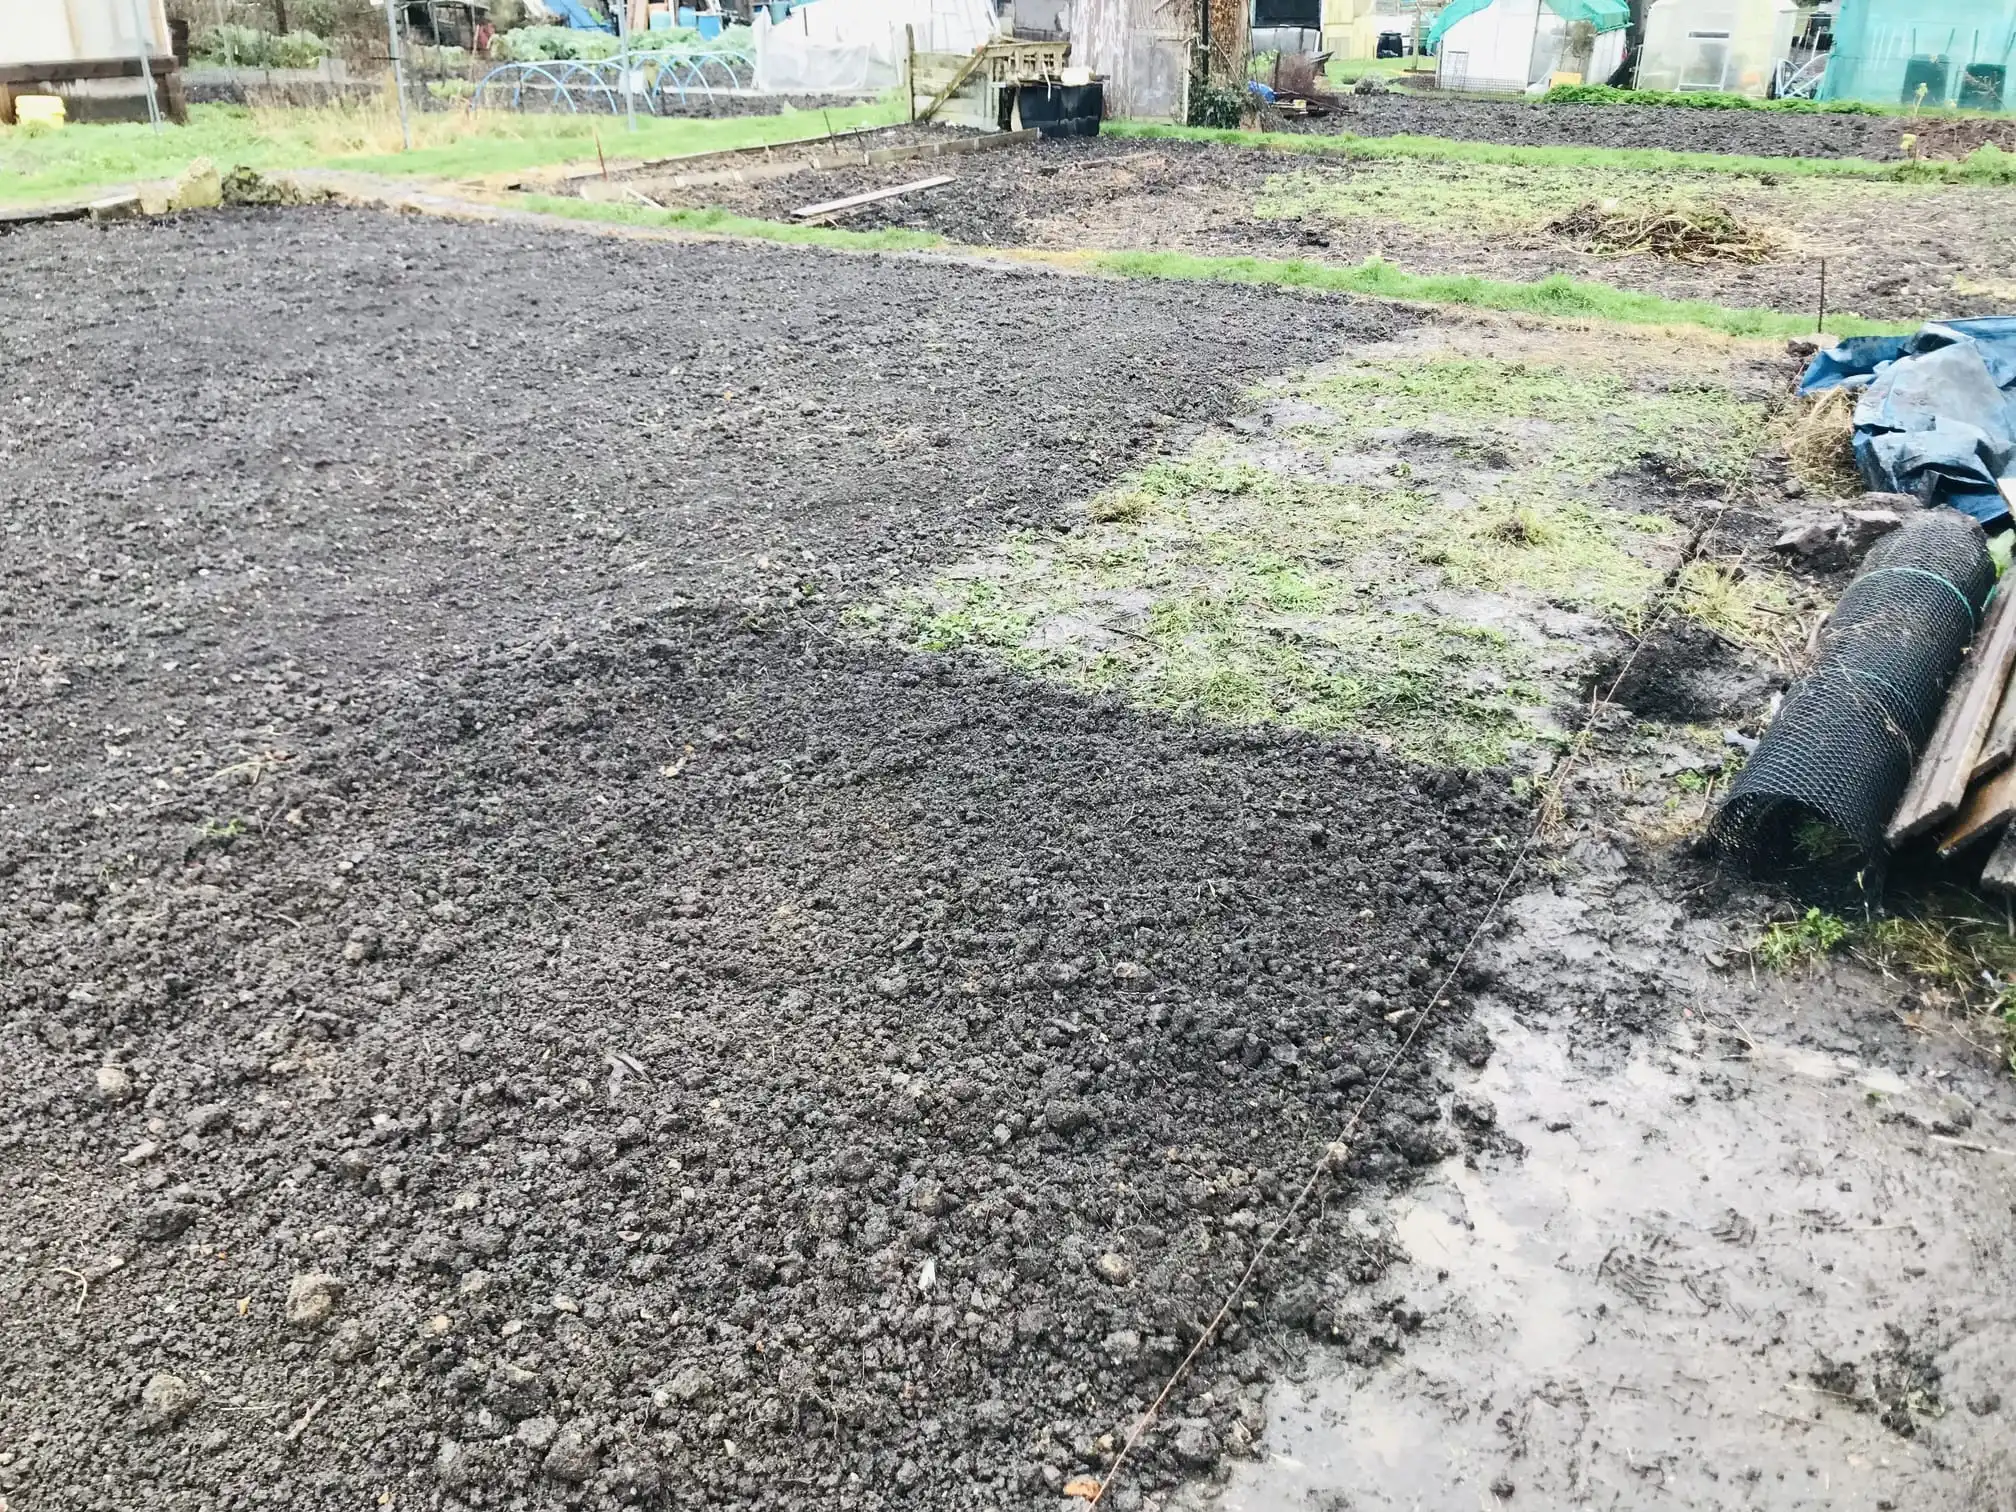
573 13
1936 417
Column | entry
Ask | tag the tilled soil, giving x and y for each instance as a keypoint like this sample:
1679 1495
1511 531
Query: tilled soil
1750 133
1113 194
508 1001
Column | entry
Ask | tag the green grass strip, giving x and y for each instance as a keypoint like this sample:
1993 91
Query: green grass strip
1987 165
722 223
1558 295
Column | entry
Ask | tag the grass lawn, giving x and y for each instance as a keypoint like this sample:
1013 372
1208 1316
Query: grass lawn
76 160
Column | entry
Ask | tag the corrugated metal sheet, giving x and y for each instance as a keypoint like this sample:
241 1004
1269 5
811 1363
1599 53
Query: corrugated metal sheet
80 31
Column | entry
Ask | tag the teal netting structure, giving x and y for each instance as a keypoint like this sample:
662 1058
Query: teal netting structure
1958 51
1604 15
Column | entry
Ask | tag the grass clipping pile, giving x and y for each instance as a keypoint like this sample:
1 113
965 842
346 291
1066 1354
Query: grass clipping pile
1688 233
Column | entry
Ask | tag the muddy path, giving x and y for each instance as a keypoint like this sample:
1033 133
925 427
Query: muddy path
505 1003
1732 1257
1428 217
1748 133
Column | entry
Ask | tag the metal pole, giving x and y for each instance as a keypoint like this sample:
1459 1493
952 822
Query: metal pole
623 51
146 63
398 74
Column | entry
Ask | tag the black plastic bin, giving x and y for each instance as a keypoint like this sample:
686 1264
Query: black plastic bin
1056 110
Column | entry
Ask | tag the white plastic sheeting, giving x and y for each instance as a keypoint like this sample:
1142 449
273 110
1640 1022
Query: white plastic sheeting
76 31
860 46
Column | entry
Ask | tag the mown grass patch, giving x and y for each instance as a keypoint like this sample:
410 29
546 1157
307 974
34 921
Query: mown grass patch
68 163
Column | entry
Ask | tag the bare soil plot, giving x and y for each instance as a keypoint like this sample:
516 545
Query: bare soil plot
507 998
1747 133
1892 250
634 874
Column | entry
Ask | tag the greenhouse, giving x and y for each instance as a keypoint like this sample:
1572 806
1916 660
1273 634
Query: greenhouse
1923 52
1729 46
1523 44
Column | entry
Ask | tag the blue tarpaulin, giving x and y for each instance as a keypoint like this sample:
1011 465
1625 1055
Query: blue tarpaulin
1937 413
573 13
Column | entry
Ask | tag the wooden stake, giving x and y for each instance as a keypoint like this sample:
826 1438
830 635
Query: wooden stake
910 67
1820 324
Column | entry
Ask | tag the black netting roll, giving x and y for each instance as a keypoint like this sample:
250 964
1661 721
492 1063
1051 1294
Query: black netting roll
1811 803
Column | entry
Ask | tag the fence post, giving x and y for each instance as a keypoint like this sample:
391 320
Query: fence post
398 71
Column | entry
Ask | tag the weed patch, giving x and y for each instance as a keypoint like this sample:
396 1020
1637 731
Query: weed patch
1374 579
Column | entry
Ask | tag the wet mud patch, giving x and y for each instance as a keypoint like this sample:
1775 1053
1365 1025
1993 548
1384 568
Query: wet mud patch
1686 673
1746 1254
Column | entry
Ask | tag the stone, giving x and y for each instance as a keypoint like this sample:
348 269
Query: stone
516 1392
571 1459
209 1118
165 1399
537 1433
686 1386
117 207
1114 1268
929 1198
451 1462
113 1085
311 1298
1195 1445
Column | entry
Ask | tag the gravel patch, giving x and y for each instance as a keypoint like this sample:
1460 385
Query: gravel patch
505 1001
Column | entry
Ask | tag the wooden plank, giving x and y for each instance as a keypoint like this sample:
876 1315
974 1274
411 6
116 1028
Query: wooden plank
84 68
1939 784
1999 749
830 207
2000 872
1987 808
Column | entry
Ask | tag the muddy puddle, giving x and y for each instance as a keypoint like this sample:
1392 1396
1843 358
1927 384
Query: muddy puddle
1755 1257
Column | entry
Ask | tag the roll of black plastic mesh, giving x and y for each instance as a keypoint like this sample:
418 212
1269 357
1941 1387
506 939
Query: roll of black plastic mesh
1810 805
